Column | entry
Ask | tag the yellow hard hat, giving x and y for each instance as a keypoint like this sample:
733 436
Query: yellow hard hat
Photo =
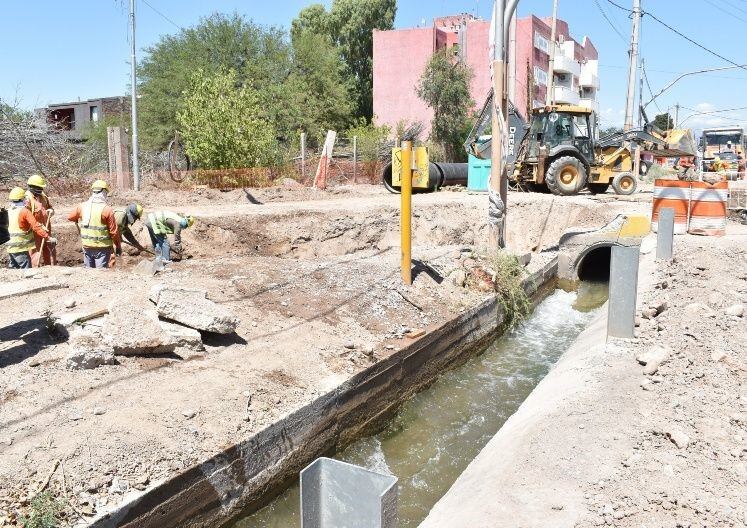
16 193
190 221
99 185
139 209
37 181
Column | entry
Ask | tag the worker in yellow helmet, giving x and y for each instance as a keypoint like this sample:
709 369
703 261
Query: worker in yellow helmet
98 229
41 208
126 217
22 227
160 225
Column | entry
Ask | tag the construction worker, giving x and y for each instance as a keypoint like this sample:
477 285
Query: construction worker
97 226
41 208
125 217
23 228
163 223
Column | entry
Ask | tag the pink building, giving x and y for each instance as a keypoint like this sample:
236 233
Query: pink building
400 57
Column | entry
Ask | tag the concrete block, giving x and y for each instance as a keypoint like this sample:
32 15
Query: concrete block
192 308
132 328
26 287
88 351
184 336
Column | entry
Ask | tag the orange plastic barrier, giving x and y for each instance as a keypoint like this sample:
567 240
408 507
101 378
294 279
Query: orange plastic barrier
674 194
708 208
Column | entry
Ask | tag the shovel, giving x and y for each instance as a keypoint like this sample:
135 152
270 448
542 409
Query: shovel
37 260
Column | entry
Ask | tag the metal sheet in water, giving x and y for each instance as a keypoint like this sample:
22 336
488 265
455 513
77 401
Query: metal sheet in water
336 494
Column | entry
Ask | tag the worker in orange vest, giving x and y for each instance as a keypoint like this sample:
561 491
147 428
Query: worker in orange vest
23 228
97 225
41 208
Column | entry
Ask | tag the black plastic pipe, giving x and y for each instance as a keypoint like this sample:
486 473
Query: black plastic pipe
439 174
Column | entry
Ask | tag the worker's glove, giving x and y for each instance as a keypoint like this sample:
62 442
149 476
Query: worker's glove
51 241
118 251
177 248
50 212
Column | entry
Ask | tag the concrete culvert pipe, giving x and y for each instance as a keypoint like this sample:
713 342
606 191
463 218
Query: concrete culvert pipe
439 174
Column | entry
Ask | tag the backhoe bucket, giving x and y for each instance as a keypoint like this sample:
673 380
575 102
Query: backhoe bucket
679 142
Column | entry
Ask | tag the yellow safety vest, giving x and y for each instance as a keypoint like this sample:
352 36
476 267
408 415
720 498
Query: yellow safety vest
157 222
20 241
120 216
93 232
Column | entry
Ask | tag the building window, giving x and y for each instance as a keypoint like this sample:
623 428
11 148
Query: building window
94 114
540 76
541 43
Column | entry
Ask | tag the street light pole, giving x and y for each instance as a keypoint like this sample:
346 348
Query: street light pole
133 104
551 66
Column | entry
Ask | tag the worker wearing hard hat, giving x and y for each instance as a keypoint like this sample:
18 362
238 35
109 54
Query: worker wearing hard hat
160 225
98 229
23 228
126 217
41 208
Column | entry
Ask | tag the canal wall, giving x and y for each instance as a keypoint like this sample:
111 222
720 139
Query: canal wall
246 476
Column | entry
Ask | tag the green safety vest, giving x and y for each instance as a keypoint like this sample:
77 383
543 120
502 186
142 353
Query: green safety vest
93 232
20 241
158 219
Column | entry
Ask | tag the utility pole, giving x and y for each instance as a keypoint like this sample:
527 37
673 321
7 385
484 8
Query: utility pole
640 94
633 65
133 104
503 11
676 115
551 67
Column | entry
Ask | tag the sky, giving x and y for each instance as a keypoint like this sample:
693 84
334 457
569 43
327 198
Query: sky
58 51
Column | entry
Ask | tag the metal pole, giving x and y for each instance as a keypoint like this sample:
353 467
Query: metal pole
640 94
633 65
406 212
303 156
511 60
551 67
676 115
497 203
665 234
623 290
355 159
133 80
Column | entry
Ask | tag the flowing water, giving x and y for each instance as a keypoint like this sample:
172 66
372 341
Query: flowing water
437 433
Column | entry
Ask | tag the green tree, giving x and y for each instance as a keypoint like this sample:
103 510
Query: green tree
260 57
222 124
603 131
317 82
444 86
350 25
664 121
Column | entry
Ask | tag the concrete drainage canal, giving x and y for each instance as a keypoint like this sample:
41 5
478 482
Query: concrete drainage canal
435 434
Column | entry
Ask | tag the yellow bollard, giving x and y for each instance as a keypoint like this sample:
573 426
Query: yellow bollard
405 222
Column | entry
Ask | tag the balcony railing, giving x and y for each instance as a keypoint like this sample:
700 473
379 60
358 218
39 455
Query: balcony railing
563 94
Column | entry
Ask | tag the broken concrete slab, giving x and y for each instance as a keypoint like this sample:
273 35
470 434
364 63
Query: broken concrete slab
184 336
27 287
149 267
132 328
192 308
87 351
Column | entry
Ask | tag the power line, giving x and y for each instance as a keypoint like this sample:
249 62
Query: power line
604 14
648 84
727 2
167 19
725 11
674 30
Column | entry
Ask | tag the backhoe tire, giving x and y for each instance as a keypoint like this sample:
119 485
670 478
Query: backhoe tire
624 183
598 188
566 176
645 166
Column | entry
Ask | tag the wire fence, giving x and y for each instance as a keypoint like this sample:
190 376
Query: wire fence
347 166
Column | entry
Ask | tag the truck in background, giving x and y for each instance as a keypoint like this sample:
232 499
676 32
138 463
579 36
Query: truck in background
727 144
